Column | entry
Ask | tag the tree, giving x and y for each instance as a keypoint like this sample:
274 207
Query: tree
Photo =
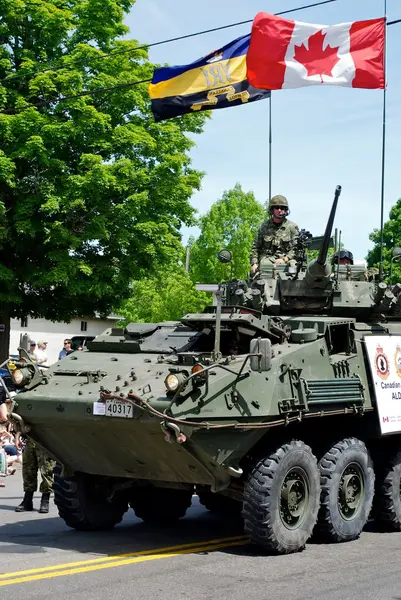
92 191
166 297
313 254
391 238
231 223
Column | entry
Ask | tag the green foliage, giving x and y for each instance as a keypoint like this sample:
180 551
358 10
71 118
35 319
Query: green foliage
92 191
313 254
391 239
165 297
231 223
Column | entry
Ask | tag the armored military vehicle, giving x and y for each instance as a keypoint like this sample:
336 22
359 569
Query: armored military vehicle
275 404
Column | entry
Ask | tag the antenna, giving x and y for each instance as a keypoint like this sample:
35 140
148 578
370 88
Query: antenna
338 258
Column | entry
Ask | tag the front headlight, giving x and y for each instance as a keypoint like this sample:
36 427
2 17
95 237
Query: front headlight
199 374
175 381
21 376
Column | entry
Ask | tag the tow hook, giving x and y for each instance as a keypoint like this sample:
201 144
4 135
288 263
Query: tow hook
21 423
172 433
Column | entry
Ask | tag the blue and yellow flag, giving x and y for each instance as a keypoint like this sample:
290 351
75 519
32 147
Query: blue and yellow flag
217 80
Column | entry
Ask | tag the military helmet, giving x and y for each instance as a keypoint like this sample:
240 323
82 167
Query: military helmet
342 254
278 201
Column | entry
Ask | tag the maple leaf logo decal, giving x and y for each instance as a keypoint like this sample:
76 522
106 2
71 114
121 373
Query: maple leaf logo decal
316 60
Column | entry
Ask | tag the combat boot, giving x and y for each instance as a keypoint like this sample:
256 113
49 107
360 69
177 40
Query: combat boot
26 504
44 503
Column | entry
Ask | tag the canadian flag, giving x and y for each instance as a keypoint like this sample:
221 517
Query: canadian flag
289 54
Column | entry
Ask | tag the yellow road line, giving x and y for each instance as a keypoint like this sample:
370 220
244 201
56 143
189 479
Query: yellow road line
118 560
120 556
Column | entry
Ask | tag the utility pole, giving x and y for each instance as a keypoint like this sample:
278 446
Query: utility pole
187 258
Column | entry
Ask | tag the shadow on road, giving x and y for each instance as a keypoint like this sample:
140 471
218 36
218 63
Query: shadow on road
32 531
24 533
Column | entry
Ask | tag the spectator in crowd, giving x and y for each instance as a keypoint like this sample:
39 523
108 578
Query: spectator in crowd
4 404
9 453
3 467
3 410
8 441
41 354
67 349
32 350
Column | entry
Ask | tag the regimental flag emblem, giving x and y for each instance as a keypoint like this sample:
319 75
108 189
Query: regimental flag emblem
382 363
397 360
217 80
216 57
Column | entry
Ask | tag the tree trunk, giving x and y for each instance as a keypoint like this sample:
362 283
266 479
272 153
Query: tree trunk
5 323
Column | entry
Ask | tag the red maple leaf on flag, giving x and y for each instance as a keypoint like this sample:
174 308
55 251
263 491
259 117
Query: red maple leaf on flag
316 60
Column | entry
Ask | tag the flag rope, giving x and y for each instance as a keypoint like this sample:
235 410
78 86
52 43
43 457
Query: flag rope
383 154
153 44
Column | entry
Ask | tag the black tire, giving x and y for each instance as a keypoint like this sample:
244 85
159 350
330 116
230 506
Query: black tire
219 504
347 482
388 500
160 506
82 506
290 474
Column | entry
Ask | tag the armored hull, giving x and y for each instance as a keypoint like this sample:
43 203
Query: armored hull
276 403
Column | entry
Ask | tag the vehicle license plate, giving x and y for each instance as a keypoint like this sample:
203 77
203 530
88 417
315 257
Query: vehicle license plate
115 408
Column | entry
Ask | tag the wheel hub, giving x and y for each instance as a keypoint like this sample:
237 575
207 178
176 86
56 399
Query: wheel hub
351 491
294 497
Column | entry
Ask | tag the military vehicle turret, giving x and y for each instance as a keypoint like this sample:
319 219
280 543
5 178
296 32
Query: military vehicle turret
276 403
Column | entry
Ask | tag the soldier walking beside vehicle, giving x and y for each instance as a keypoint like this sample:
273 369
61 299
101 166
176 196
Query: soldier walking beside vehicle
276 238
35 459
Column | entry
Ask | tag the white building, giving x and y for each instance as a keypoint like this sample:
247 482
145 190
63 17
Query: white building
55 333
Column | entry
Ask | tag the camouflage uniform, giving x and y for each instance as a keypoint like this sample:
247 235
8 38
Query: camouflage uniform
34 459
274 241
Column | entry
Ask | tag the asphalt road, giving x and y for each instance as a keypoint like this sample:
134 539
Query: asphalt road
200 558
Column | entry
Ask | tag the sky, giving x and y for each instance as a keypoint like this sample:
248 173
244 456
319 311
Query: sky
322 137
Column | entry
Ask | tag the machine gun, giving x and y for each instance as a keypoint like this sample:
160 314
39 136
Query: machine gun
303 242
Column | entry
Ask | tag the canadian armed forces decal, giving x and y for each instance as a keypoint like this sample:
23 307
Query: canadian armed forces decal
382 364
397 360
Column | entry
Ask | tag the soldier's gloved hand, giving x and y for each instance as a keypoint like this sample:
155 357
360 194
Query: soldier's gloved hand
280 261
254 268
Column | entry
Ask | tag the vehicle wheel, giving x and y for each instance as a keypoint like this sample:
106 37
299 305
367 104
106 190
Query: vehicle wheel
82 504
219 504
347 481
281 499
388 495
160 505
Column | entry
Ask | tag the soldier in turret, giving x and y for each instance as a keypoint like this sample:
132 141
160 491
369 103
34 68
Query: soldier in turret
276 238
344 257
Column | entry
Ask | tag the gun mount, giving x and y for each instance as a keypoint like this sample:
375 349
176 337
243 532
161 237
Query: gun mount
314 288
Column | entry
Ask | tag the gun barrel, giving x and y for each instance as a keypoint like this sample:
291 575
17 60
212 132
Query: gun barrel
321 259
